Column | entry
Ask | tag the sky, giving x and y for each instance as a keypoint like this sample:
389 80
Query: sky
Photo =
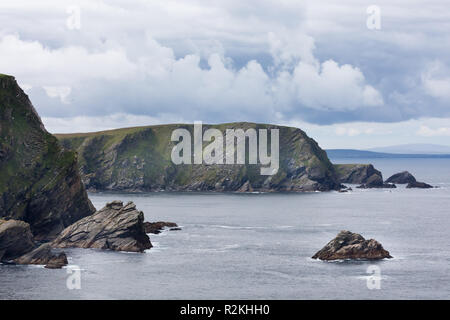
351 73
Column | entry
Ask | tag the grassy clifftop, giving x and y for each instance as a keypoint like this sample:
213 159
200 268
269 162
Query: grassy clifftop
39 183
139 158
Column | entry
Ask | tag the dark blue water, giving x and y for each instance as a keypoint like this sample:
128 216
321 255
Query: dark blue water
258 246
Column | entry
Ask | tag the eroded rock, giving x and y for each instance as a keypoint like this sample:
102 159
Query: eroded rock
417 184
349 245
115 227
43 255
15 239
157 227
403 177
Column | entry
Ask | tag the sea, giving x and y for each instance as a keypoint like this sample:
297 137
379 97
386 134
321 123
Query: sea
259 246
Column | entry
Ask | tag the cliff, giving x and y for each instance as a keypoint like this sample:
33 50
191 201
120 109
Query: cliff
139 159
40 182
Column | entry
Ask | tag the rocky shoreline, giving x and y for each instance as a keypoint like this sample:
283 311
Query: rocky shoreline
44 203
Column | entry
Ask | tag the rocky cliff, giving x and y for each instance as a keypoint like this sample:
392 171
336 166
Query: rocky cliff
40 181
139 159
357 173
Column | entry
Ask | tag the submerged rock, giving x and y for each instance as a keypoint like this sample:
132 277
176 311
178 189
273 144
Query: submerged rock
403 177
157 227
15 239
349 245
43 255
115 227
418 184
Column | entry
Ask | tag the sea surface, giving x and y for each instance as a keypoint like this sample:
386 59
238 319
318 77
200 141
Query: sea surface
258 246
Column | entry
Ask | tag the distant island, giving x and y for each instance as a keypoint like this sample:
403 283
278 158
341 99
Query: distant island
363 154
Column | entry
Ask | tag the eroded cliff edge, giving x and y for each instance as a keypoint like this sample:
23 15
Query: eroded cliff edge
40 182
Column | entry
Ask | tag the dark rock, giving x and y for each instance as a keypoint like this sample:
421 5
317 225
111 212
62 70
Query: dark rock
115 227
357 173
376 181
40 181
15 239
402 178
348 245
157 227
418 184
43 255
174 229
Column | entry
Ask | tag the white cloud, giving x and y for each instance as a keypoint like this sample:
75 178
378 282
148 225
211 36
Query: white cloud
158 81
436 80
228 60
62 92
426 131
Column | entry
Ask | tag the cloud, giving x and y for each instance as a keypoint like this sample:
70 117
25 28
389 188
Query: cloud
425 131
228 60
157 81
436 80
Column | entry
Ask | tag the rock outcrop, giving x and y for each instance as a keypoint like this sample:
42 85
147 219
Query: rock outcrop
139 159
418 184
43 255
357 173
349 245
115 227
15 239
403 177
157 227
40 182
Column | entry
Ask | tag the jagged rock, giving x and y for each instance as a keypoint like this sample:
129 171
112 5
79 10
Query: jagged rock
418 184
43 255
402 178
15 239
134 159
357 173
40 181
376 181
157 227
116 227
349 245
246 187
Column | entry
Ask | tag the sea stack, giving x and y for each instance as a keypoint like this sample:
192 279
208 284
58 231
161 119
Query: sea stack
349 245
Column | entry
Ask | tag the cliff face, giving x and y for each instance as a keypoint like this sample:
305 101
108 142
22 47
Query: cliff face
139 159
39 180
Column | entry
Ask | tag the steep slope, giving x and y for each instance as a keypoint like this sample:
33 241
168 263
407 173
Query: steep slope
139 159
39 180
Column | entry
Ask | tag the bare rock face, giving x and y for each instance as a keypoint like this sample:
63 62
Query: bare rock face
357 173
417 184
403 177
15 239
349 245
157 227
43 255
115 227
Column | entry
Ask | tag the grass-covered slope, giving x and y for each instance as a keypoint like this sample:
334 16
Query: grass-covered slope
139 159
39 180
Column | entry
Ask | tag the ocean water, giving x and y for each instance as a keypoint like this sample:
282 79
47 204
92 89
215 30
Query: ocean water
258 246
